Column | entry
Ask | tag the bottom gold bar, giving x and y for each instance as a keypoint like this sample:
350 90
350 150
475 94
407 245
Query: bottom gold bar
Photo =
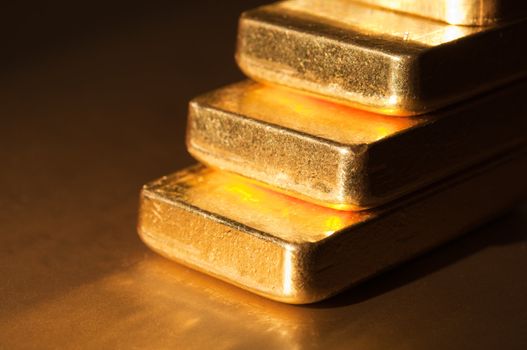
296 252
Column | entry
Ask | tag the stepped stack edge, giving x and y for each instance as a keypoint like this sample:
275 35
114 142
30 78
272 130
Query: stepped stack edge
296 252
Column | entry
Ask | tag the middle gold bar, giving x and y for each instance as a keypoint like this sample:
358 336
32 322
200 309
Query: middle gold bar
342 157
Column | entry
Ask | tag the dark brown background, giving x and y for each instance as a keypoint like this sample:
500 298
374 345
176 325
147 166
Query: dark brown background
93 100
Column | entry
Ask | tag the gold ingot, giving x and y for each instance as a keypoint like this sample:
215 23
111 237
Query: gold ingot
376 59
342 157
462 12
297 252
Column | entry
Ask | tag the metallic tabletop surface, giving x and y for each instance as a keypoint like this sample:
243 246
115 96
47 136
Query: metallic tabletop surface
84 123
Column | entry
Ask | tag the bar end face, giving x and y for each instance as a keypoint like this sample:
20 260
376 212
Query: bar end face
246 235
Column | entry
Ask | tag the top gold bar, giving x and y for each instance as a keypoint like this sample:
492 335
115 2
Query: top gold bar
460 12
375 59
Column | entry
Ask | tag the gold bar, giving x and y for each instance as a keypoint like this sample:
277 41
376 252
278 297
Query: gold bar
461 12
297 252
375 59
342 157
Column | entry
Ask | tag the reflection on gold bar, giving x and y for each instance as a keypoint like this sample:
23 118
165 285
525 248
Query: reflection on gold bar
342 157
462 12
297 252
376 59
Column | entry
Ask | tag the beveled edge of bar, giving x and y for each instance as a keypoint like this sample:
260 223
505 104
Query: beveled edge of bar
483 17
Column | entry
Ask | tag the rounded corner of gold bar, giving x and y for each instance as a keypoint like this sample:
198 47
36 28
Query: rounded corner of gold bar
143 236
300 298
143 193
193 103
242 63
407 107
189 142
301 292
244 20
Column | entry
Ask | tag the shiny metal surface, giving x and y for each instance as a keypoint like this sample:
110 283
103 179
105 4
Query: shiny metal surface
296 252
376 59
343 157
84 126
462 12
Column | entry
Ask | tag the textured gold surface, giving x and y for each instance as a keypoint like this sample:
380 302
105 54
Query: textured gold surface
297 252
343 157
80 134
376 59
462 12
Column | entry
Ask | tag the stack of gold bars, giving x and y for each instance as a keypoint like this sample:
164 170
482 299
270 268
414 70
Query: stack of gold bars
370 132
